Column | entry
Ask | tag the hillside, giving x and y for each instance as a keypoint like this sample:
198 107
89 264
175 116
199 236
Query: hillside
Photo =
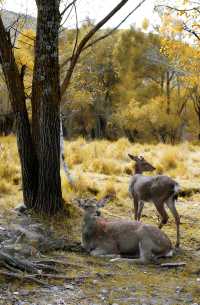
10 17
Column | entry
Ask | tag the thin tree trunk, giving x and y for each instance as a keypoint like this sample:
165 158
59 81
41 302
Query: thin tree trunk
168 92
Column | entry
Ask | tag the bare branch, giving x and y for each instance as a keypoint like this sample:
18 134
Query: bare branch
115 28
177 9
24 42
13 24
66 62
185 26
20 32
65 20
105 35
77 30
191 31
67 7
85 40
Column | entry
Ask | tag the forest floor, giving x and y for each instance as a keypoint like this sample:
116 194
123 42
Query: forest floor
92 280
85 280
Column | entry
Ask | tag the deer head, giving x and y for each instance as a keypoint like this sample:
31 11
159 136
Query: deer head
141 164
91 206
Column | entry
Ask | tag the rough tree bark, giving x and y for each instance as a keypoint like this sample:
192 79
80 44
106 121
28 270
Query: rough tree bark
18 101
46 107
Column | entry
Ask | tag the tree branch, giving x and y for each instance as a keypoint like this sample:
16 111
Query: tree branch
115 28
187 29
22 73
20 32
83 43
105 35
10 69
177 9
185 26
67 7
77 30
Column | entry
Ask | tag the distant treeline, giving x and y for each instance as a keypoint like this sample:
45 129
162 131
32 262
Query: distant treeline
123 86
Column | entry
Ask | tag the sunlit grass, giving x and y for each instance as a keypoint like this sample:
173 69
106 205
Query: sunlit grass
100 167
108 165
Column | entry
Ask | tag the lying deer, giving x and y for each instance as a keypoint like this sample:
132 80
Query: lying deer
157 189
101 237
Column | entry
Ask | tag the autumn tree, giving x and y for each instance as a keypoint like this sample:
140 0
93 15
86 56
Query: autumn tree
141 73
91 90
180 43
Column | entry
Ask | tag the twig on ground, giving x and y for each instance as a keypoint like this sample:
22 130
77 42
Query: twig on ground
173 265
23 277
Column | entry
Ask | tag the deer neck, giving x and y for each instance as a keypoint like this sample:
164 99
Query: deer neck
88 219
138 169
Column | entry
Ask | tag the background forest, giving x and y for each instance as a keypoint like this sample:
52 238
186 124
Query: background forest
141 84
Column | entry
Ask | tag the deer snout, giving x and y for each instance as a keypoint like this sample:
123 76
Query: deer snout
98 213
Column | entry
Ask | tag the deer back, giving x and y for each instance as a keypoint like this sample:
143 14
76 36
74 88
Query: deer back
152 188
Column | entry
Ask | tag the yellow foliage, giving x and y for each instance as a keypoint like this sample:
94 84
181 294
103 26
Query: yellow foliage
145 24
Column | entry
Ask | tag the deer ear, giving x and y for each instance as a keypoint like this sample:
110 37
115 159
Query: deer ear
102 202
133 157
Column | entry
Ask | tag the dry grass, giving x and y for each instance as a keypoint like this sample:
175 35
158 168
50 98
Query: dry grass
100 167
110 159
9 165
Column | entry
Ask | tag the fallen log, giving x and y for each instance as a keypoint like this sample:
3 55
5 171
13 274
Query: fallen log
17 263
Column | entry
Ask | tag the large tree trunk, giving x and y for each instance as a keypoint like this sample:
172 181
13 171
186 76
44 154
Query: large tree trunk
46 107
39 151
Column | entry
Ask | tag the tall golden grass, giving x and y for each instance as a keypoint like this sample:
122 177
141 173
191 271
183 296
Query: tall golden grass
100 167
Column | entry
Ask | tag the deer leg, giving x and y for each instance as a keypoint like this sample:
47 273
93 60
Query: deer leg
146 255
102 253
135 202
162 212
141 205
171 205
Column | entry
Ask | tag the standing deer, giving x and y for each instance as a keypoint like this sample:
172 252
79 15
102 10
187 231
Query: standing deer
159 189
101 237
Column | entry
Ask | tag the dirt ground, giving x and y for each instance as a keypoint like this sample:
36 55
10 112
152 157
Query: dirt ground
96 281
